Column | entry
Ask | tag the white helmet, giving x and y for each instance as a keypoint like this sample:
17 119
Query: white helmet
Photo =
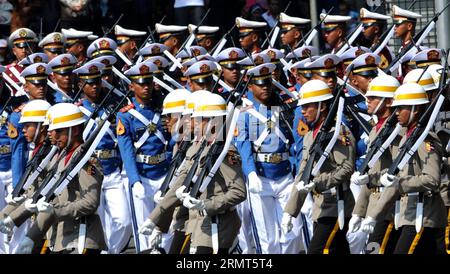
192 99
34 111
436 72
314 91
48 116
383 86
175 101
210 105
426 81
410 94
66 115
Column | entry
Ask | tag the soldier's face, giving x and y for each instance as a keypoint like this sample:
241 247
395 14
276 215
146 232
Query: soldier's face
300 78
207 43
403 114
370 32
372 104
402 29
231 76
309 111
36 91
20 53
64 81
332 37
93 90
61 137
50 55
142 91
29 131
290 37
262 92
329 80
361 82
248 41
52 136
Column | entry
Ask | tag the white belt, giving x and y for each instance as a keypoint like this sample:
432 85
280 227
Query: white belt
150 160
271 157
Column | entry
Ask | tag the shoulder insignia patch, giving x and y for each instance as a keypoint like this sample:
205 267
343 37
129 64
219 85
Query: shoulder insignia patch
302 128
127 108
120 129
12 131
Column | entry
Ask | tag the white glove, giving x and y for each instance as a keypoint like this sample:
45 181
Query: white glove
157 197
147 227
286 223
368 225
155 239
30 206
14 201
307 188
138 190
388 180
181 194
254 183
25 246
193 203
354 224
6 225
43 206
359 179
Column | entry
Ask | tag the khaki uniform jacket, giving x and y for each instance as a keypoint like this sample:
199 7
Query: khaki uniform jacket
368 197
80 199
20 214
163 213
336 170
226 190
421 174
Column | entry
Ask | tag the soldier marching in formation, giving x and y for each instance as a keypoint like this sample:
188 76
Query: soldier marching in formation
192 143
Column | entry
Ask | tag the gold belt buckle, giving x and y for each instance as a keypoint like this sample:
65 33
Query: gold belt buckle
276 158
2 120
151 127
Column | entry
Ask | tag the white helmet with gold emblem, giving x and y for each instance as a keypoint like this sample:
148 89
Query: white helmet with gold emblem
383 86
175 101
314 91
410 94
34 111
65 115
210 105
422 78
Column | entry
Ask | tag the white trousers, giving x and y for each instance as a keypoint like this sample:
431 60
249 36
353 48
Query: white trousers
114 213
5 183
357 240
266 209
143 208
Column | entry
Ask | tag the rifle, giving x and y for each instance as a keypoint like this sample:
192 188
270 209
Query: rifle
386 36
150 36
112 27
234 95
192 36
219 46
351 37
378 144
52 181
275 30
312 32
217 146
81 158
31 166
317 148
416 41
